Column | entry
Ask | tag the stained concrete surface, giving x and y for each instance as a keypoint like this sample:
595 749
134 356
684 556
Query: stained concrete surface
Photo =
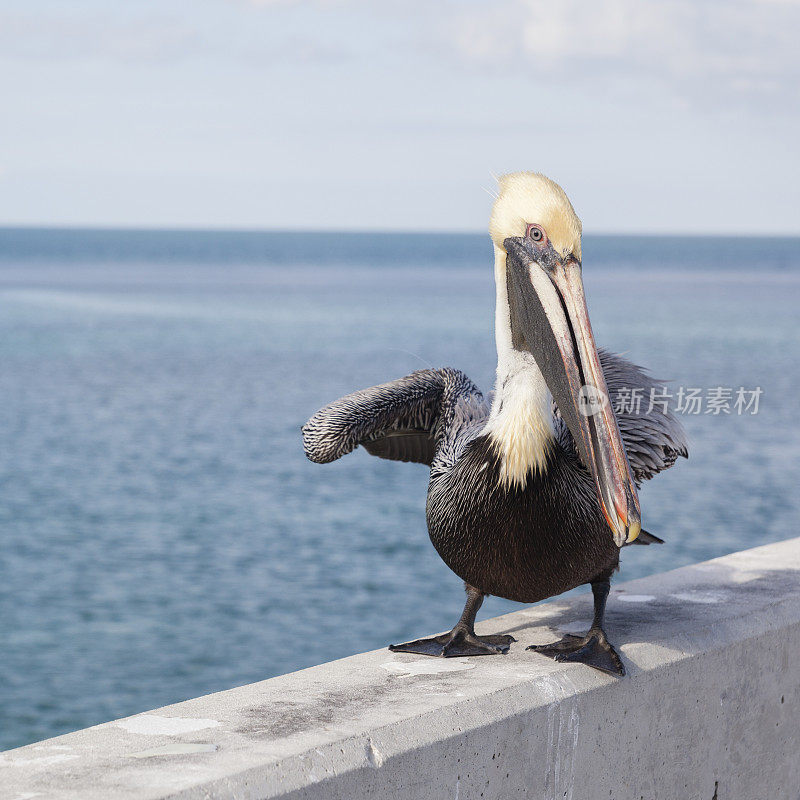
710 710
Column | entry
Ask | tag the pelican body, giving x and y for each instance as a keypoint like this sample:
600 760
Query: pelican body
535 494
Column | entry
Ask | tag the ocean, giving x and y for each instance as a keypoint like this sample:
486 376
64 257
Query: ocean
163 535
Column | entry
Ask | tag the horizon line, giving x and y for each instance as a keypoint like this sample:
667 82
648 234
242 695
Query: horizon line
32 227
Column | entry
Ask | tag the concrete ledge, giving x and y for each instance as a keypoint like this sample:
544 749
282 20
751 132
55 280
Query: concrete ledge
710 710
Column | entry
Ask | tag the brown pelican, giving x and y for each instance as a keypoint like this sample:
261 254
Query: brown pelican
535 495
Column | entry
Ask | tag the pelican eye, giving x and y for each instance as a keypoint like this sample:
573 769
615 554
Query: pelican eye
535 233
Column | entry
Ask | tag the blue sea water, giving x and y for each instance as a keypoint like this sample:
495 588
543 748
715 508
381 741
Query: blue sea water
164 537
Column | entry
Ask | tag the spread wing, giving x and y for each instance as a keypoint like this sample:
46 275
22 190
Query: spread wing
652 435
411 419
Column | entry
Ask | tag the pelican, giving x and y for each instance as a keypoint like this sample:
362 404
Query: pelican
536 493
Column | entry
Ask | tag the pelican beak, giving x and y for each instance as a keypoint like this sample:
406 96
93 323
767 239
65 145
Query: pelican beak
549 318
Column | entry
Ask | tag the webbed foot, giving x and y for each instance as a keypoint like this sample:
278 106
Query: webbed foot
593 650
459 642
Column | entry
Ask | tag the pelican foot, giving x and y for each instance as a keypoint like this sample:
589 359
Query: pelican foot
459 642
593 650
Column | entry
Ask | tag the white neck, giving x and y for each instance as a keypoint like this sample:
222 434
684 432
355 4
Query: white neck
521 420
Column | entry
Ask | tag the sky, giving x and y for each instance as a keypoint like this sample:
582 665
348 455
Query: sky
671 116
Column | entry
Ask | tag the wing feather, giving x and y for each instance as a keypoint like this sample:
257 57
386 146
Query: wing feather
403 420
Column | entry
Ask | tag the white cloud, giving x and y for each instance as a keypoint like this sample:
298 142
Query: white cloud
746 46
701 52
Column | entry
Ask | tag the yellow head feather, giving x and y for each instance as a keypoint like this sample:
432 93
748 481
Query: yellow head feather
527 197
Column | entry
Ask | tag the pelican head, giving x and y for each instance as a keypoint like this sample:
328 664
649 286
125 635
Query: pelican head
537 239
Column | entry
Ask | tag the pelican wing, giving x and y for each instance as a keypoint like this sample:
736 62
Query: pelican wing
652 435
410 419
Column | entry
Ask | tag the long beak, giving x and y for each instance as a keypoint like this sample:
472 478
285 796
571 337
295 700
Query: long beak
549 317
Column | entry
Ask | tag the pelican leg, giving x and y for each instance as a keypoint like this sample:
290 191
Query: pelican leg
594 649
462 640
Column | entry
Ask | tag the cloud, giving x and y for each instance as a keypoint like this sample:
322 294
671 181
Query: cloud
686 52
699 52
742 46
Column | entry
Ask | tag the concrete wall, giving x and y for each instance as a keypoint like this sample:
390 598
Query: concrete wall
710 710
